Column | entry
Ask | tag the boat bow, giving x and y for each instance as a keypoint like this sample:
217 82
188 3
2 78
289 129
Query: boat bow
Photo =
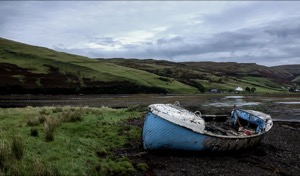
179 116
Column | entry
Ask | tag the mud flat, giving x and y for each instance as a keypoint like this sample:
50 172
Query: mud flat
114 101
277 154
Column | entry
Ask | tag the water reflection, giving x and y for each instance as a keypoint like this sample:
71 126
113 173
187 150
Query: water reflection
230 101
289 102
234 97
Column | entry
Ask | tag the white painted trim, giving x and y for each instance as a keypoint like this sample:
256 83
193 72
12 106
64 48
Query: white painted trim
179 116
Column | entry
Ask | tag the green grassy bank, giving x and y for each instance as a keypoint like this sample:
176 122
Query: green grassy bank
68 141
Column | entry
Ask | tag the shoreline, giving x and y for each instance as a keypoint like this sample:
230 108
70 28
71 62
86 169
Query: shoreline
277 154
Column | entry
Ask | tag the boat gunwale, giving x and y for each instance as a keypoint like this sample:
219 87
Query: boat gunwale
217 135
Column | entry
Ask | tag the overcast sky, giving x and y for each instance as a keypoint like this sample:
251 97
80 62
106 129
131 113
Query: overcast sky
267 33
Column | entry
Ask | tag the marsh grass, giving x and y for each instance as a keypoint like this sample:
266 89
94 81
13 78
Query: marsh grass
42 118
17 147
35 168
4 153
33 122
137 108
39 168
84 141
142 167
57 109
44 111
72 116
116 166
50 126
15 168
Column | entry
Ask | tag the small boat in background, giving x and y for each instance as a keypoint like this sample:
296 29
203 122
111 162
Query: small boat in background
169 126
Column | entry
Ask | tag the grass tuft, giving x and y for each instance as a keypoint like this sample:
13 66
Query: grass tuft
33 122
72 116
17 147
136 108
44 112
102 153
119 166
40 168
50 125
143 167
57 110
4 154
15 168
42 118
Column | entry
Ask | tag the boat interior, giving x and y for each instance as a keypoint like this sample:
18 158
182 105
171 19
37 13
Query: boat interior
223 125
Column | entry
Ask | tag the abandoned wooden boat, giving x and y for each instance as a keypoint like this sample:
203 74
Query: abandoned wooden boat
168 126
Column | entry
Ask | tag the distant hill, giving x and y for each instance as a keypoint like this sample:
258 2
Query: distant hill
292 69
31 69
38 70
224 76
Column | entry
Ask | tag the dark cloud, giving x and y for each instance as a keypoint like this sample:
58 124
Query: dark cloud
286 29
270 44
263 32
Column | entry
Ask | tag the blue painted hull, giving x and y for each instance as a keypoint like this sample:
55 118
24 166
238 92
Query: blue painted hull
159 133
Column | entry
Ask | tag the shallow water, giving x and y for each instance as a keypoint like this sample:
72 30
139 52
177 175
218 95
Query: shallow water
230 101
234 97
288 102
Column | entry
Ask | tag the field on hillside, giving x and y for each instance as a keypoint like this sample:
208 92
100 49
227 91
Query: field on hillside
26 69
261 85
32 67
225 76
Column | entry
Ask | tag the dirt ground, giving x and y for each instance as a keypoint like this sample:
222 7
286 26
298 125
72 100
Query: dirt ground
277 154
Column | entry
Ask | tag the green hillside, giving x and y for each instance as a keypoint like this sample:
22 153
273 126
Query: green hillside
224 76
37 70
47 71
293 69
